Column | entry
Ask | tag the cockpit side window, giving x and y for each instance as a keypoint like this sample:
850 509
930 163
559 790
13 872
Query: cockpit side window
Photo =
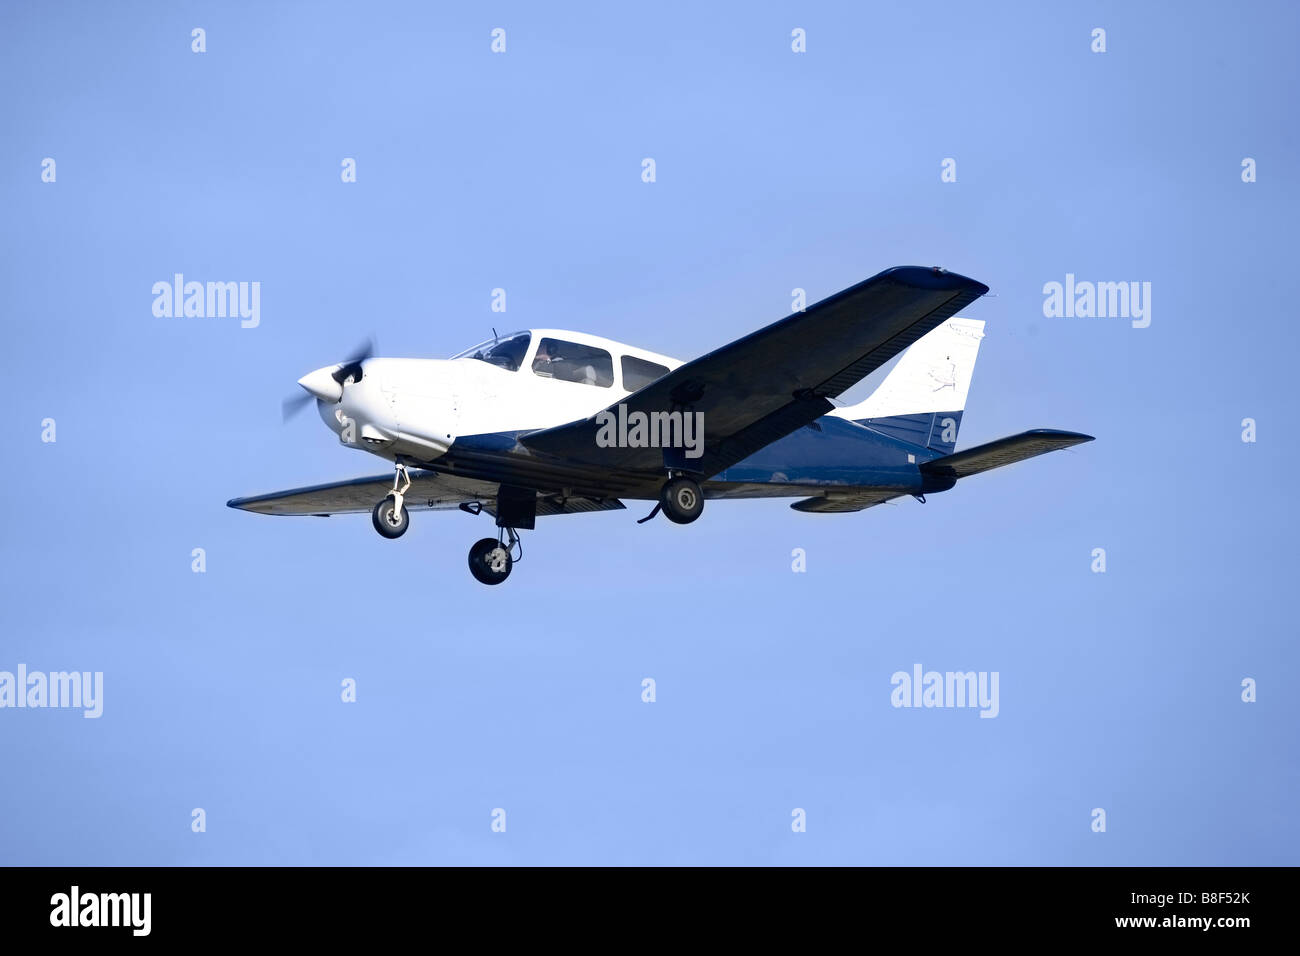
507 352
638 373
571 362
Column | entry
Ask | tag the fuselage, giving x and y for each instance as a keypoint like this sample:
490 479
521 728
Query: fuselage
464 415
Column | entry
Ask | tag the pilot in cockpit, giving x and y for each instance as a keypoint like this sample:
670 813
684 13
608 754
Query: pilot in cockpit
546 358
549 361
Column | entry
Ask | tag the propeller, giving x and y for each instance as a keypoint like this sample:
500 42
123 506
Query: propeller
294 404
349 367
352 365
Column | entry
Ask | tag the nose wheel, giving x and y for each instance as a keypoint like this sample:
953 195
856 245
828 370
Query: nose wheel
390 516
491 559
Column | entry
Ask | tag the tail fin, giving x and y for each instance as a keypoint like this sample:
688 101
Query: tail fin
922 399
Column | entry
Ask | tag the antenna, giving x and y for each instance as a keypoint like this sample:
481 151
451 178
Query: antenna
494 335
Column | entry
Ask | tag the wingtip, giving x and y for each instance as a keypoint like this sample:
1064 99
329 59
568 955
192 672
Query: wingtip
935 277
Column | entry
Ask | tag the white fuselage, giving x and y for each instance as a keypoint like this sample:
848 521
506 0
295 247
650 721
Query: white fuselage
416 408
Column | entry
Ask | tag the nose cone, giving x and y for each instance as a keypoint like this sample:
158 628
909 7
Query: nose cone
321 384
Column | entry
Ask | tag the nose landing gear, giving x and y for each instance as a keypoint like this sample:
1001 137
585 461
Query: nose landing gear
491 559
390 516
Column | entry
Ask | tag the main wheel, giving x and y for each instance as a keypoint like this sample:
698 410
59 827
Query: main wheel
388 521
489 562
682 500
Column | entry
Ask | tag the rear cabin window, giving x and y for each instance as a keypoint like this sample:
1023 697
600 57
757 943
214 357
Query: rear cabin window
571 362
638 373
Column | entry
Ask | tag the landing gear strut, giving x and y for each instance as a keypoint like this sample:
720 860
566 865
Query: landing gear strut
491 559
681 499
390 516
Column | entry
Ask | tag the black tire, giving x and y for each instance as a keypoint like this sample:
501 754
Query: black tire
388 524
682 500
480 562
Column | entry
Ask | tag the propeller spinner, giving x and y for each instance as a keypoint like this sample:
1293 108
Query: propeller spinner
326 384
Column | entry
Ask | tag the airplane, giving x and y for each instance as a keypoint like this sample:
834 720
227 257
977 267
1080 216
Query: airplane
551 422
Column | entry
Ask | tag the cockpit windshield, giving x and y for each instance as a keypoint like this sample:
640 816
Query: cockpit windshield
506 351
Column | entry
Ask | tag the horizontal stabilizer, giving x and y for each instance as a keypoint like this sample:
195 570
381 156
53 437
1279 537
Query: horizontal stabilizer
840 504
1004 451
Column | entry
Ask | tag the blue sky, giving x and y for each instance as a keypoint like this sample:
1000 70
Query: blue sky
521 170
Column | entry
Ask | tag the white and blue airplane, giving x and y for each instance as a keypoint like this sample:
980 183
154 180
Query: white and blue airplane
551 422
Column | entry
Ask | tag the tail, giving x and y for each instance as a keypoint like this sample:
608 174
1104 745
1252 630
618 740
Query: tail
922 399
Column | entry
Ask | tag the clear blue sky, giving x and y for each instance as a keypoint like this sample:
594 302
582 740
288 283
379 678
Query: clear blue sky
775 170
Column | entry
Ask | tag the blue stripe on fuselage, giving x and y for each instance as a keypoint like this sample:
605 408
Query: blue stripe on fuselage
832 451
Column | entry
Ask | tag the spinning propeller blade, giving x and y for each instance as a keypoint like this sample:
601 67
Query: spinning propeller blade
294 404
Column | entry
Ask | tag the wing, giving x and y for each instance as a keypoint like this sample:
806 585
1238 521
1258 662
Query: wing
778 379
429 491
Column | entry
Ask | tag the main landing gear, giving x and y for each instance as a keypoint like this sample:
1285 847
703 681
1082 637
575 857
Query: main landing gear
390 517
680 499
492 559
